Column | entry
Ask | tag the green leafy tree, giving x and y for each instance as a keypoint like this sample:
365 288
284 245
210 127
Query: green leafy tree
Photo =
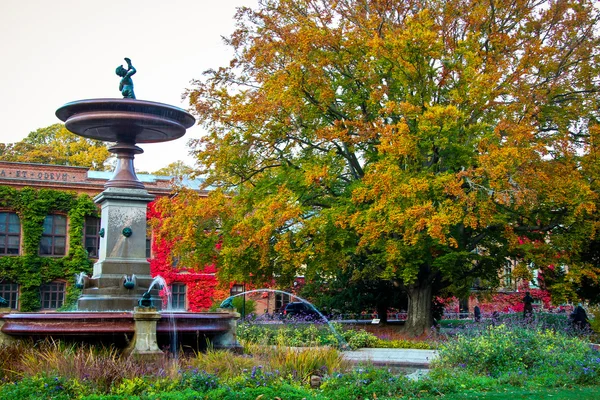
56 145
428 139
177 169
343 295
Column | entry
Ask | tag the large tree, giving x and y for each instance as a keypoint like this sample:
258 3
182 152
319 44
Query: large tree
56 145
427 139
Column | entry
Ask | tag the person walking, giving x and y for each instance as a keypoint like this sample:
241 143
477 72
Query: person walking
477 313
527 305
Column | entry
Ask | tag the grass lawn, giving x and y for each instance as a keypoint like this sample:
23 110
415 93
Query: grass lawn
583 393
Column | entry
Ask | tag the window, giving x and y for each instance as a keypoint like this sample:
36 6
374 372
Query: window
91 236
54 236
148 247
178 296
10 293
53 295
537 280
10 233
281 300
507 274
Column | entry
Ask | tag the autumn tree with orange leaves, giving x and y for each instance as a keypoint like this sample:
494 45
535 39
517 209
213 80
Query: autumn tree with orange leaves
417 142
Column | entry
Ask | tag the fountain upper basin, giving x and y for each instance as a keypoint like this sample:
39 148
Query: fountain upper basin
125 120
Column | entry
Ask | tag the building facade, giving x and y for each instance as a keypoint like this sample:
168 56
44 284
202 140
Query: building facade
49 236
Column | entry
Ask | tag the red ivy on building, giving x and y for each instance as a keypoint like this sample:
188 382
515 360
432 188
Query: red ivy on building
201 285
503 302
513 301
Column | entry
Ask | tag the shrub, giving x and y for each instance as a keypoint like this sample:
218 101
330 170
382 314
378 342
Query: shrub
360 338
514 353
37 387
256 377
200 381
244 305
364 383
445 381
301 335
290 334
594 317
405 344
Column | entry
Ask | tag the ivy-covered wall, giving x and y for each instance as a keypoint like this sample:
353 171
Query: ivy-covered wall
203 289
30 270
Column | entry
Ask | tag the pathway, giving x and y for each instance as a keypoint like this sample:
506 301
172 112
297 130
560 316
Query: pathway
392 357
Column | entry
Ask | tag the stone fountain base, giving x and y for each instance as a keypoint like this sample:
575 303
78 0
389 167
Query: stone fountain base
122 254
193 331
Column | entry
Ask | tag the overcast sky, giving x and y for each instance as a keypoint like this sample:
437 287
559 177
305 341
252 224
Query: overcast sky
57 51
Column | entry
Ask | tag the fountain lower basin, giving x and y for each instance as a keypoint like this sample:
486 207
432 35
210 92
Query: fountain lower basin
193 330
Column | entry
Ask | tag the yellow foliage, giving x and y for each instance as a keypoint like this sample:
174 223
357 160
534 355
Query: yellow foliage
397 132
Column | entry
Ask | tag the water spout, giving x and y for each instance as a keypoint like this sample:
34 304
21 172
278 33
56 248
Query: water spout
159 281
146 300
80 280
129 281
227 303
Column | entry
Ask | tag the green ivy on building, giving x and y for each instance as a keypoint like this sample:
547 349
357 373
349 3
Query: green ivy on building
30 270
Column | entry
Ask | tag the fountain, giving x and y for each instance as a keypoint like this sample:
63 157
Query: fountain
121 292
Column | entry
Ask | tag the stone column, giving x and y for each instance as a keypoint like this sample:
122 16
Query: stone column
144 341
4 338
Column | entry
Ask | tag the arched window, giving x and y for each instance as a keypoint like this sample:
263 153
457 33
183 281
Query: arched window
52 295
54 236
10 233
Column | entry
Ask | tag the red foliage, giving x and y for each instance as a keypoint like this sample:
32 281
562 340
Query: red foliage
201 285
502 301
513 301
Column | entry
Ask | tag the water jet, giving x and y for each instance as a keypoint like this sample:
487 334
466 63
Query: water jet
227 303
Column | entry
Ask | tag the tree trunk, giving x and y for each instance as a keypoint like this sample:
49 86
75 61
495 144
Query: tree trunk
382 313
419 319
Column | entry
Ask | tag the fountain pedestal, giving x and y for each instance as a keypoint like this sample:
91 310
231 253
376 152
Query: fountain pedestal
144 342
122 253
